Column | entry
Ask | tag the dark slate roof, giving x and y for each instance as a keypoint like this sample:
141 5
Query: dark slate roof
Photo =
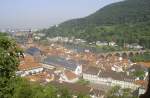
33 51
91 70
116 76
61 62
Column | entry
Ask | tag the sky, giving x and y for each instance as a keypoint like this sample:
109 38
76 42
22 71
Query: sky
45 13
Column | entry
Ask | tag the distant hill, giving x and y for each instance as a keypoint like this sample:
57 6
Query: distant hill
127 21
128 11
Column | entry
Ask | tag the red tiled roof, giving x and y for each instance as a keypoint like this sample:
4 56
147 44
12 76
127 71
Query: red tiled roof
70 75
143 83
28 62
146 64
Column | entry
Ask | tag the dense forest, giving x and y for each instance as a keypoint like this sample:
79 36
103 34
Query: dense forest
127 21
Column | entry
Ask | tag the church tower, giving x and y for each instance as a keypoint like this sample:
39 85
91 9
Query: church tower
29 43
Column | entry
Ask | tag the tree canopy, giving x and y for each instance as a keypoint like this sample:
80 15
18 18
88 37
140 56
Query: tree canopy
127 21
8 65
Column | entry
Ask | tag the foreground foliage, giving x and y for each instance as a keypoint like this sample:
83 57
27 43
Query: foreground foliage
8 65
118 92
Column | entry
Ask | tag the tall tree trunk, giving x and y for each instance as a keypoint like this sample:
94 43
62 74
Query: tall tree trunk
147 94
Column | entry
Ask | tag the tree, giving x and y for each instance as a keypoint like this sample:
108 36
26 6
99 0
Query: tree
64 93
118 92
83 96
114 92
50 92
147 93
8 65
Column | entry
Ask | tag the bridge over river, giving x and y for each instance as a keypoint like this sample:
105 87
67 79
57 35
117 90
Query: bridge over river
122 53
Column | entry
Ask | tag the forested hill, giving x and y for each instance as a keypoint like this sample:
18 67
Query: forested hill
128 11
128 20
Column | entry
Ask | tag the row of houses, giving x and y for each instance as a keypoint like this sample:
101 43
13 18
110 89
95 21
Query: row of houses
67 70
71 71
105 43
65 39
109 78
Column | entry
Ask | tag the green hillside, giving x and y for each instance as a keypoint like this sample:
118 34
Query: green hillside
127 21
128 11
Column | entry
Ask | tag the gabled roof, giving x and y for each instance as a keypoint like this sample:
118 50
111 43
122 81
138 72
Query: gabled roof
142 83
61 62
116 76
91 70
146 64
70 75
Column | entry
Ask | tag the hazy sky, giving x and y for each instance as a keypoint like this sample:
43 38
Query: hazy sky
44 13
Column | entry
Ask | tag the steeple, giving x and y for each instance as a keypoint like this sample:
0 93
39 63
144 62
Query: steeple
29 39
